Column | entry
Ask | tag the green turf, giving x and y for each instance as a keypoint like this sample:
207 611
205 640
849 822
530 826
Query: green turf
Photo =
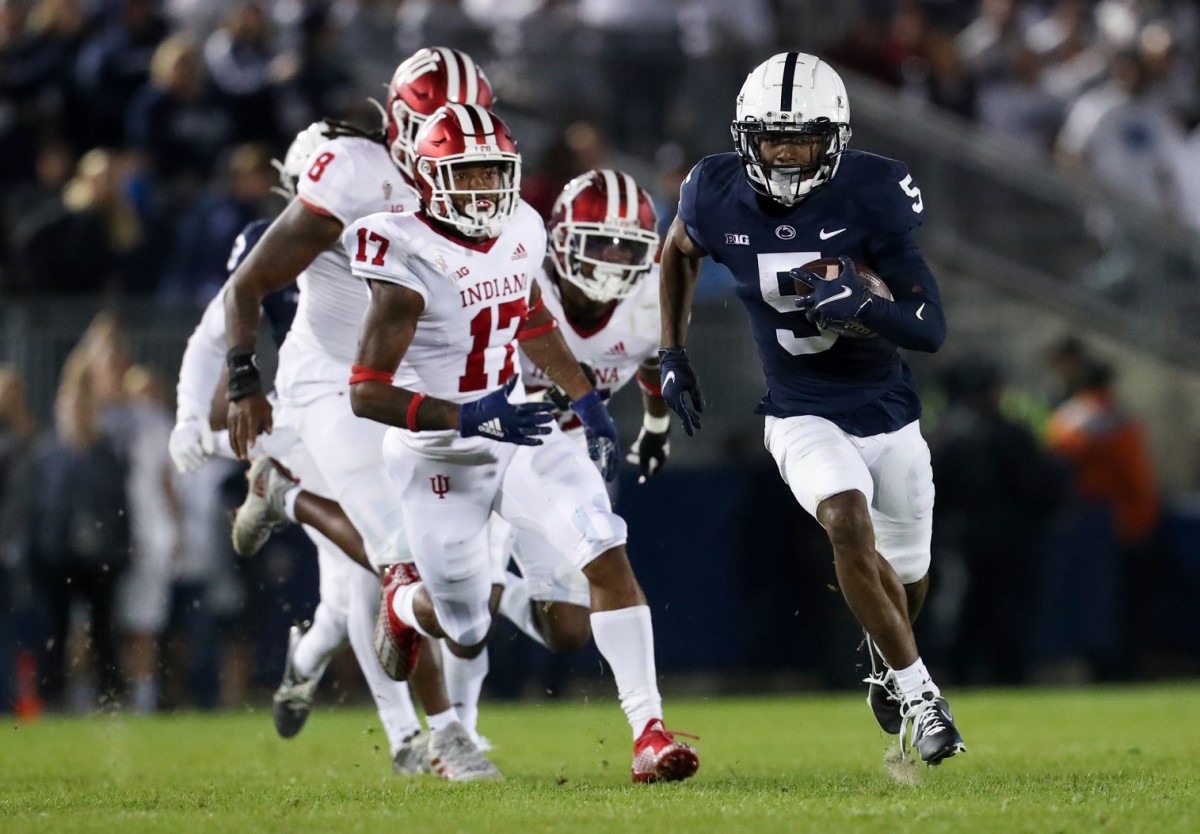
1119 760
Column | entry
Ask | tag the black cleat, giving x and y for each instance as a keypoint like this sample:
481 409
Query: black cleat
933 732
293 700
883 695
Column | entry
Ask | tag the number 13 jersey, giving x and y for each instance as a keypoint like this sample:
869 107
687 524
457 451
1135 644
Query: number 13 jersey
476 296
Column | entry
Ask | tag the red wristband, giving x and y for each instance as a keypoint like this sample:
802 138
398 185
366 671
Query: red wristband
413 405
361 373
648 387
540 330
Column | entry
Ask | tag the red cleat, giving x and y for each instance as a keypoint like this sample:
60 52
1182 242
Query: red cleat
397 644
658 757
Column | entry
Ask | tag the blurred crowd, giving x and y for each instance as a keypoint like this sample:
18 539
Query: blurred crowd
103 547
1109 86
137 134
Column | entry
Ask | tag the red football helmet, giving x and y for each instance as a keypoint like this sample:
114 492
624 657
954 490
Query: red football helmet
430 78
603 234
460 135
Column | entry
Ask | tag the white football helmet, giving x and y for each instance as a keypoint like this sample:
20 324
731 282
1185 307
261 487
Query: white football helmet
302 147
791 93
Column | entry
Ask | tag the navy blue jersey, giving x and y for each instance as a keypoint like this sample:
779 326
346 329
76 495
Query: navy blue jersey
279 307
866 212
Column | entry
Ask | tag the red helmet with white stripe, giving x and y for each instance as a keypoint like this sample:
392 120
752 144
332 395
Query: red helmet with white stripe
427 80
603 234
456 140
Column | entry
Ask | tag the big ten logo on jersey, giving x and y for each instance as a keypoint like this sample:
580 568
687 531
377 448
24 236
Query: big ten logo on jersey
779 291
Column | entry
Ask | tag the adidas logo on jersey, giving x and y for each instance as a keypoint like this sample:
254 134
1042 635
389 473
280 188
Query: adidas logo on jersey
519 252
617 350
492 427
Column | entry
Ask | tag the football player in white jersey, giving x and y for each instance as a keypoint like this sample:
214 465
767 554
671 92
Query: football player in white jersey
348 595
600 282
452 291
348 177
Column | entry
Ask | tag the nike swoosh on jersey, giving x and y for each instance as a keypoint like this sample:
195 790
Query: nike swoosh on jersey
921 310
845 293
824 235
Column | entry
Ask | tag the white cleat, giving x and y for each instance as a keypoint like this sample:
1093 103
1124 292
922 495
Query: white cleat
412 759
455 757
261 514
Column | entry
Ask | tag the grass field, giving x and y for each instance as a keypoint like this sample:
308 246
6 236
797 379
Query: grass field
1119 760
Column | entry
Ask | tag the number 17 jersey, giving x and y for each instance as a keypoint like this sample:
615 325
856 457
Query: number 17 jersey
476 296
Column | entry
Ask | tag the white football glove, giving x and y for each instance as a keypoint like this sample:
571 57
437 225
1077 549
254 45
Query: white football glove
191 444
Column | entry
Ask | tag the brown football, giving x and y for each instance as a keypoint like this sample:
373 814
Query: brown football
828 269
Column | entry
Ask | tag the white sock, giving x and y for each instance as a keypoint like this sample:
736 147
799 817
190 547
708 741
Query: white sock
319 643
392 698
914 681
464 681
626 639
442 720
289 502
402 607
515 604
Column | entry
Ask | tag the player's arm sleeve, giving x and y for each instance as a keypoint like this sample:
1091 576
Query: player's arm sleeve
688 197
376 255
203 361
914 320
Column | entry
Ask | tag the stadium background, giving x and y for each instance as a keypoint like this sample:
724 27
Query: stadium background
1056 147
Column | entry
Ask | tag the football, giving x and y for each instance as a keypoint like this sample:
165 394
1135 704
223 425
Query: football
828 269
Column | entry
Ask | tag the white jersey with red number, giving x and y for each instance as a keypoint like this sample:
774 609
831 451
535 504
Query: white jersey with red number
614 349
346 178
476 297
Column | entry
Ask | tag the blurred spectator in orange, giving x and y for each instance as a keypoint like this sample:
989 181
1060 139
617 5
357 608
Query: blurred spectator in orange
1106 450
78 530
1108 454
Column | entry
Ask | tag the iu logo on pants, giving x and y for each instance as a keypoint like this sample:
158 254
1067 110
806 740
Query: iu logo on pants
440 485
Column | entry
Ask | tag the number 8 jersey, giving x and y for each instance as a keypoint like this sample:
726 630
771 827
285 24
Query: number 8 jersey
476 296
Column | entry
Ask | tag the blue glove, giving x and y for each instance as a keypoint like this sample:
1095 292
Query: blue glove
836 301
495 417
678 379
601 432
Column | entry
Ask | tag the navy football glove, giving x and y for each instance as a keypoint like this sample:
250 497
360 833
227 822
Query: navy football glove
836 301
678 379
495 417
600 430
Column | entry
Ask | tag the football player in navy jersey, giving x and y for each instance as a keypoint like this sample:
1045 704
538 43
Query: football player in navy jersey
841 409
